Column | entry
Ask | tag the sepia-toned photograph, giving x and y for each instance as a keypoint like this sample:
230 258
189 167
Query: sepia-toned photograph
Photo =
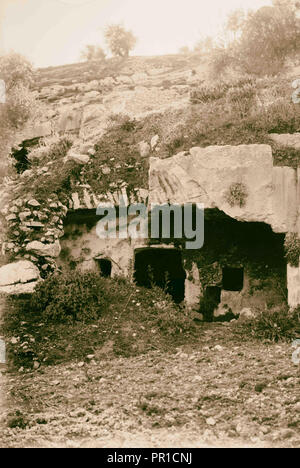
149 226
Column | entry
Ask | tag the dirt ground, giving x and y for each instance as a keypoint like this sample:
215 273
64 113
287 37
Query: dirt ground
219 392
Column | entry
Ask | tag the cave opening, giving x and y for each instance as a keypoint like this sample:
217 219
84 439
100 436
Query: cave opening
232 279
105 267
20 155
22 162
161 267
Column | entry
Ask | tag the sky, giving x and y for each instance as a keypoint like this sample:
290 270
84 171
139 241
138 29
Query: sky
53 32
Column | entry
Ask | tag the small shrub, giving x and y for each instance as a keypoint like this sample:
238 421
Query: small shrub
166 84
54 325
220 60
92 52
16 70
69 297
17 420
241 98
171 320
292 248
122 121
20 106
208 93
237 195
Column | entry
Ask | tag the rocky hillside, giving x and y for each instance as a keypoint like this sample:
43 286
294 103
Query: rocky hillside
80 97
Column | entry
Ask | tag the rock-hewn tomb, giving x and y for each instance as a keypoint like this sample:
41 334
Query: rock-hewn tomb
249 207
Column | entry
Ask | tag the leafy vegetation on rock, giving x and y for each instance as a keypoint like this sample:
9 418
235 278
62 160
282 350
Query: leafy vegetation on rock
237 194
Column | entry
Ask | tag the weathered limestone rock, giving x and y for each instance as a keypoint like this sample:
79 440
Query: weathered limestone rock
11 217
124 79
144 148
154 141
19 277
92 86
32 131
246 314
76 201
79 158
34 203
204 175
293 284
287 139
69 120
91 95
34 224
44 250
284 199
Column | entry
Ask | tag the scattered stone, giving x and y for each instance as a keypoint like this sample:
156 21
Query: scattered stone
297 407
34 203
154 142
79 413
218 348
211 422
246 314
197 378
11 217
15 340
106 170
92 95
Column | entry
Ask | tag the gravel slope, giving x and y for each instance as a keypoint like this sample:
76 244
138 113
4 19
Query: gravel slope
221 391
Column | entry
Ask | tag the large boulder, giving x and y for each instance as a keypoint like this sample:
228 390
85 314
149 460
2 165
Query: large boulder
44 250
209 175
19 278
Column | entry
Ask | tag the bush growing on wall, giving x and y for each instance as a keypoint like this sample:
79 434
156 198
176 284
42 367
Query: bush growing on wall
237 195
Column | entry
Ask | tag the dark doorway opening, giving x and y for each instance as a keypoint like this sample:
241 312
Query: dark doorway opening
209 302
233 279
163 268
105 267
